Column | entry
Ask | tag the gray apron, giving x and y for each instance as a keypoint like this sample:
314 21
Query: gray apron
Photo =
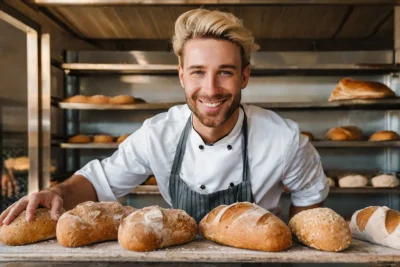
198 205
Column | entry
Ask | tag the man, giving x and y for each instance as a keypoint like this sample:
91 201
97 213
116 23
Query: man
209 152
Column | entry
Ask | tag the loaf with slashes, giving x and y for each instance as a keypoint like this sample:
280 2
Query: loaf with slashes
321 228
91 222
379 225
154 227
246 225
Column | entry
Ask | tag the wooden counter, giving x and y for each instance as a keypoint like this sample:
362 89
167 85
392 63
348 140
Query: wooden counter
198 251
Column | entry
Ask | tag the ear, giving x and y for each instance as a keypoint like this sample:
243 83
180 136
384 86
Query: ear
180 70
245 76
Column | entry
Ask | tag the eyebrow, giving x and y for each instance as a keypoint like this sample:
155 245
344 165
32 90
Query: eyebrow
223 66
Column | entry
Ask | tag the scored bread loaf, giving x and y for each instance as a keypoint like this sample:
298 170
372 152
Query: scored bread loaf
352 89
246 225
21 232
91 222
353 180
379 225
385 180
321 228
153 227
344 133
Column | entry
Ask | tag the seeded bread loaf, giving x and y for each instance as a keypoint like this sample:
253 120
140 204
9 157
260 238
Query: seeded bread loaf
246 225
21 232
91 222
379 225
321 228
153 227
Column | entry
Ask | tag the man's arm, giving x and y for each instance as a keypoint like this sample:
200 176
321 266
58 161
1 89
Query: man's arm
294 210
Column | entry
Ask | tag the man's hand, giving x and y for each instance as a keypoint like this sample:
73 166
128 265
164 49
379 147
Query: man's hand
294 210
46 198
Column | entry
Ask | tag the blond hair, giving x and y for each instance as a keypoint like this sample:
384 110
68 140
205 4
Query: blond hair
202 23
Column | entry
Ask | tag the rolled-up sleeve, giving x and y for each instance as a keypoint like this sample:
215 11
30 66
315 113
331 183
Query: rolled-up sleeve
118 174
303 173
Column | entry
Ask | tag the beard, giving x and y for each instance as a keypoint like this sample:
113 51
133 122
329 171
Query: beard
218 118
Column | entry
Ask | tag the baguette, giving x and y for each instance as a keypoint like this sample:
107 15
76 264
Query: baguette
351 89
321 228
153 227
91 222
21 232
379 225
246 225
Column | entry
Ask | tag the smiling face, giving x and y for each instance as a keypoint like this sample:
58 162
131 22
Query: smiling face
211 74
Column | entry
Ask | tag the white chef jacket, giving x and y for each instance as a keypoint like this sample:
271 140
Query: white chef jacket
278 155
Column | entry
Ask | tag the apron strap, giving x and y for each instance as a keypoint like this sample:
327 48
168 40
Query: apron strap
180 150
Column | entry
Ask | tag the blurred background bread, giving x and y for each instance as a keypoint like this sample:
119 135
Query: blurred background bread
344 133
384 136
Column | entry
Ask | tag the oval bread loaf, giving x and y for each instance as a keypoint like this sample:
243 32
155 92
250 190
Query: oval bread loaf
321 228
21 232
153 227
379 225
246 225
91 222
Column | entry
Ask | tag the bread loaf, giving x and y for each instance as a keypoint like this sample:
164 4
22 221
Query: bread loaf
122 100
21 232
246 225
122 138
103 138
321 228
385 180
153 227
351 89
80 139
98 99
379 225
344 133
309 135
384 136
151 180
76 99
353 180
91 222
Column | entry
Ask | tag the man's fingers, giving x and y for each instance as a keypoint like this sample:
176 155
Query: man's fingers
31 209
56 205
15 211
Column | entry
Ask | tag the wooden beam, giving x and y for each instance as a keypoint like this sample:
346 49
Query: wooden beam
212 2
265 45
397 34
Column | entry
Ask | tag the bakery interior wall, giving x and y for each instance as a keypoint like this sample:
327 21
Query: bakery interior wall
13 106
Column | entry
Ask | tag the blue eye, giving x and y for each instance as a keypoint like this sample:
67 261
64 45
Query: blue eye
226 73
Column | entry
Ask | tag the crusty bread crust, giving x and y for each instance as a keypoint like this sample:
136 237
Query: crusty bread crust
344 133
246 225
384 136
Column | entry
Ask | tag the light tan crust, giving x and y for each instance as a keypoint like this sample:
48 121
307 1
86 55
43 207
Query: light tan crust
352 89
21 232
103 138
392 221
363 217
384 136
309 135
153 227
321 228
76 99
246 225
122 138
122 100
151 180
80 139
99 99
91 222
344 133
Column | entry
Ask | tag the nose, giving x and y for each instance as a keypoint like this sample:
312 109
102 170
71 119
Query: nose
211 84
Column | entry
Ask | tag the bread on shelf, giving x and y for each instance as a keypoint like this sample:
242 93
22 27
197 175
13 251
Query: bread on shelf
353 180
122 100
352 89
344 133
151 180
385 180
321 228
103 138
122 138
99 99
80 139
379 225
76 99
384 136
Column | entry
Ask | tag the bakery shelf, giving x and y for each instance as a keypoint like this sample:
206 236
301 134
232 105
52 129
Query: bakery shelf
77 69
153 190
90 146
393 103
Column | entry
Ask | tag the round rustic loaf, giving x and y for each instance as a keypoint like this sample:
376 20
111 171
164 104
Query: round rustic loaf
21 232
321 228
384 136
